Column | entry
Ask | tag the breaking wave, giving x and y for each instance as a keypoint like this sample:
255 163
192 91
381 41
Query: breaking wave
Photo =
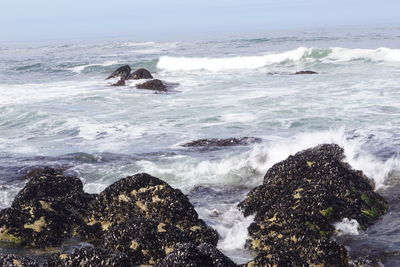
329 55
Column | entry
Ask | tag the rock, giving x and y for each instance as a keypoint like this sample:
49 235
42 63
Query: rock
119 83
187 254
140 74
305 72
299 200
242 141
39 171
10 260
153 85
45 211
143 195
122 72
88 256
144 241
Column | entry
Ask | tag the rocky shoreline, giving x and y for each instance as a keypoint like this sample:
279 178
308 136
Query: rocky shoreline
141 220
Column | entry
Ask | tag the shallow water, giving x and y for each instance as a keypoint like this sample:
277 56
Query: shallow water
56 109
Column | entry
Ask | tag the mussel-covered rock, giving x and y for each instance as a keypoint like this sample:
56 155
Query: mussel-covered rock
187 254
11 260
89 256
299 200
144 241
155 84
140 74
45 211
143 195
216 142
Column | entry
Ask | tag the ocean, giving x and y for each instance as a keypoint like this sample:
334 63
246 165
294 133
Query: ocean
57 110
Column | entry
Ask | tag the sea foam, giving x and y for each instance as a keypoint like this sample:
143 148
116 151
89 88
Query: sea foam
328 55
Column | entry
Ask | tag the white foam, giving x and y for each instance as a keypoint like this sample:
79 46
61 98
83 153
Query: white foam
79 69
335 54
347 227
228 63
379 54
233 229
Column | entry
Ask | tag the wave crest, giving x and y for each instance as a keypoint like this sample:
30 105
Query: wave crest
324 55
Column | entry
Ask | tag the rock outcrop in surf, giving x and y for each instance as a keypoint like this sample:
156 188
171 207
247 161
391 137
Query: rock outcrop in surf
145 196
45 211
124 73
217 142
298 202
155 84
140 74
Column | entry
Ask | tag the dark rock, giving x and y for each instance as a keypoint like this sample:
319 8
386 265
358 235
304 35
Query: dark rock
144 241
187 254
242 141
122 72
153 85
140 74
10 260
39 171
145 196
45 211
119 83
299 200
88 256
305 72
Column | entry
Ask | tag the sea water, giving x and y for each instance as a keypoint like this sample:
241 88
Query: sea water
56 109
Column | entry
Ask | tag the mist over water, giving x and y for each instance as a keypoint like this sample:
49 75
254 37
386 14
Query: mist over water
56 109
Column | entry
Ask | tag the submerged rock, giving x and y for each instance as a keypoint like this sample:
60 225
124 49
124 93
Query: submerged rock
298 202
140 74
10 260
241 141
144 241
145 196
155 84
187 254
45 211
89 256
305 72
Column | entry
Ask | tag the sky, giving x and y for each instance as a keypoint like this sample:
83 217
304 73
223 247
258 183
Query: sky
36 20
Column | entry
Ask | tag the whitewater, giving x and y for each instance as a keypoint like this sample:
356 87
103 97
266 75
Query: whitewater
57 110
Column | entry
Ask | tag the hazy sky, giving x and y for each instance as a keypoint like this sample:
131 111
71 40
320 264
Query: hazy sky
34 20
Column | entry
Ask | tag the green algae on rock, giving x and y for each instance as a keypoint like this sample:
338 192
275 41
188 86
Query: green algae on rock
298 202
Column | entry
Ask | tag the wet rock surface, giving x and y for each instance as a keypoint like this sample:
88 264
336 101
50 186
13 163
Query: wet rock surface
155 84
144 241
122 72
45 211
10 260
88 256
143 195
140 74
187 254
298 202
216 142
119 83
